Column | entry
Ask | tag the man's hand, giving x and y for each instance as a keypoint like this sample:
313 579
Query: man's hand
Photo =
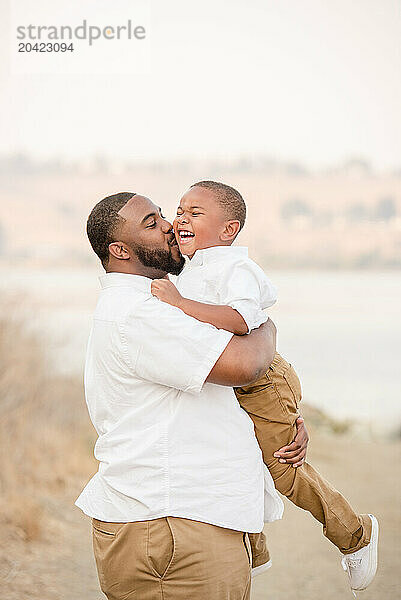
165 290
295 453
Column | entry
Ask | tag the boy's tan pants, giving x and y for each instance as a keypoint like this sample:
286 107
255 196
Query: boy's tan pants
171 559
272 403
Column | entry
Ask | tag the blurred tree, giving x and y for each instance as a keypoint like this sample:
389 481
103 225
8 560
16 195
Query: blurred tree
357 166
294 208
357 212
296 169
386 209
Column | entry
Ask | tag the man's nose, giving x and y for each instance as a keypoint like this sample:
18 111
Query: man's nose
167 226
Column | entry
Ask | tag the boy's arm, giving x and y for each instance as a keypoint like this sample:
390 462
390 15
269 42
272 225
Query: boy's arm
222 317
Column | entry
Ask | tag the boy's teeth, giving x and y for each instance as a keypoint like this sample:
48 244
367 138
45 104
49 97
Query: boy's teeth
186 234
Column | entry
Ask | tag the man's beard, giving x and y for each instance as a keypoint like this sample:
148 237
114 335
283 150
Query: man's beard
160 259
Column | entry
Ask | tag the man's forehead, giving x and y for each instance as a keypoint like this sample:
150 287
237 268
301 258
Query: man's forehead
137 208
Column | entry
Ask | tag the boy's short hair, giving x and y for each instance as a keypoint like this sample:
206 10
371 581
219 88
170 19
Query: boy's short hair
229 199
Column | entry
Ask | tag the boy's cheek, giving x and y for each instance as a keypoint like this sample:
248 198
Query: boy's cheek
183 250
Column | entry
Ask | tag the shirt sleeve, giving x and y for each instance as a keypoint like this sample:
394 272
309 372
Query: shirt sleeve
247 289
166 346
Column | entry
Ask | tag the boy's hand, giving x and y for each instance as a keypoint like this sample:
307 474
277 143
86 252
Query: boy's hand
165 290
295 453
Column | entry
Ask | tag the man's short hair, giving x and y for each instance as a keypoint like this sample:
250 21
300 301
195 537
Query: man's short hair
229 199
103 222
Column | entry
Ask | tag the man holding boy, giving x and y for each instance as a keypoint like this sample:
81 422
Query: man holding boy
180 476
222 286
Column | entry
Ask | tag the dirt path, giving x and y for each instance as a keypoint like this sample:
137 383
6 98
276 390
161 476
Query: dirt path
305 565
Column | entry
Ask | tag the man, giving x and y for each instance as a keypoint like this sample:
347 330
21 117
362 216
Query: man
180 474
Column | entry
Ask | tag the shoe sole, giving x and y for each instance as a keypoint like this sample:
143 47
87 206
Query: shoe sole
372 555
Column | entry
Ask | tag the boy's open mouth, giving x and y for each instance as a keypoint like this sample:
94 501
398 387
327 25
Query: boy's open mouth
185 236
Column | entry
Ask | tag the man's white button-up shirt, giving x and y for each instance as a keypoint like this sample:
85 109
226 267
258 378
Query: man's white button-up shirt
225 275
169 444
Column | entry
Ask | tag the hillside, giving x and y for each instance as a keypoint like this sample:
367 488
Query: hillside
348 217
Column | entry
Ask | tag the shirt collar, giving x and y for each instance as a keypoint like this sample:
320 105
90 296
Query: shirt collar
216 253
125 280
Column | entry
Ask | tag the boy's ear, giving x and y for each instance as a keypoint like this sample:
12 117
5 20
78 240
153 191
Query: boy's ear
118 250
230 231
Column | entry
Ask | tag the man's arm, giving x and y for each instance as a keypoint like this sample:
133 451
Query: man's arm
165 346
245 358
222 317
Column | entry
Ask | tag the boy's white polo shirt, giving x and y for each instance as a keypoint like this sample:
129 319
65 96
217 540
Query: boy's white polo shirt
169 444
225 275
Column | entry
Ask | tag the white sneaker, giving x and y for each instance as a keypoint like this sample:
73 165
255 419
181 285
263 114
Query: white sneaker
361 566
261 569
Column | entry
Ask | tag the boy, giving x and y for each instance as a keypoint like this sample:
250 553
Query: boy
222 286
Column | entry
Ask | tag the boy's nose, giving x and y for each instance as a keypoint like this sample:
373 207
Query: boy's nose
181 219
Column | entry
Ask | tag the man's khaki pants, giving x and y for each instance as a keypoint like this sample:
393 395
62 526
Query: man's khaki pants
272 403
171 559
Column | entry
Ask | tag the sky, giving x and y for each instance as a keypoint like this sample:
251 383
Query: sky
313 81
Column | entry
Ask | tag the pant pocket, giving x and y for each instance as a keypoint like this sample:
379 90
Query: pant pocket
294 384
266 404
288 388
119 550
104 538
257 386
160 546
106 529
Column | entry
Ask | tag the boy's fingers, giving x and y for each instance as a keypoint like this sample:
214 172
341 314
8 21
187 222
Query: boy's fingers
154 290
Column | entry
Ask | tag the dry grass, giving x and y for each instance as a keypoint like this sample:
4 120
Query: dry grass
44 432
45 456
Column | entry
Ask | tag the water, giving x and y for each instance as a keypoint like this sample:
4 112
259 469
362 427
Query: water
341 331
